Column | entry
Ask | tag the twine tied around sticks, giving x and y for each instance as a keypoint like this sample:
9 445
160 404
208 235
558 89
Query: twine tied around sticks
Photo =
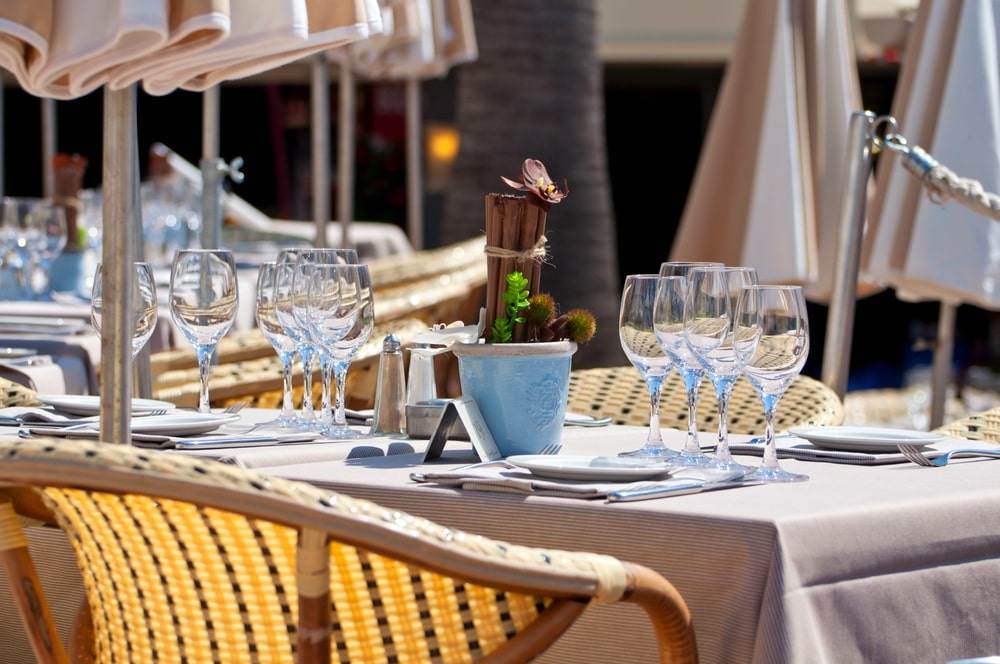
537 252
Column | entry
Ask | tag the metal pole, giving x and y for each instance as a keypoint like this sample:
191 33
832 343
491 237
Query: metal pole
321 146
48 146
414 165
345 153
840 321
121 214
944 351
2 142
212 169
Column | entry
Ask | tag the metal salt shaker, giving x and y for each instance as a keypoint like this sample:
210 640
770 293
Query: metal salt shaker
389 418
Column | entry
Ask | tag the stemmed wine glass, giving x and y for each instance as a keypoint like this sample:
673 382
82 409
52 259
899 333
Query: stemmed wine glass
669 322
362 299
638 339
274 332
771 335
708 331
36 230
144 304
204 298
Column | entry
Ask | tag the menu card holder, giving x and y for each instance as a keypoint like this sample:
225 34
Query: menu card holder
463 408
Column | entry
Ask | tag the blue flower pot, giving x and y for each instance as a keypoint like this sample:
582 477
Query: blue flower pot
520 389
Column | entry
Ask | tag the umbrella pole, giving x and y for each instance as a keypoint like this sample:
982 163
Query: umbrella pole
121 217
843 299
320 95
212 171
944 350
414 161
48 146
345 153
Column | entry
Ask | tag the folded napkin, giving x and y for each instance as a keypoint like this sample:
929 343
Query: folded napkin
501 476
798 448
16 415
216 440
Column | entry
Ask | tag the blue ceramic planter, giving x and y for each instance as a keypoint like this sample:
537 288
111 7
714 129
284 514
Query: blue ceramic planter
521 390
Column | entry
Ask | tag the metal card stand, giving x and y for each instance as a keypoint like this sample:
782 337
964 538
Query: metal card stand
465 409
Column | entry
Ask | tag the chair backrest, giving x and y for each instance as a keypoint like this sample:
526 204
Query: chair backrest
621 393
15 394
983 426
188 559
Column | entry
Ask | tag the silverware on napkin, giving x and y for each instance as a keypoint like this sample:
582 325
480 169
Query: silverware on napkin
676 487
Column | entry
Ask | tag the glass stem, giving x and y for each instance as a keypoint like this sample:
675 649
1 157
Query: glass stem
307 384
691 381
655 385
340 372
722 391
770 461
326 401
287 398
204 367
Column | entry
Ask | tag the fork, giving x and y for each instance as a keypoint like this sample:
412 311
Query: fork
232 409
916 456
548 449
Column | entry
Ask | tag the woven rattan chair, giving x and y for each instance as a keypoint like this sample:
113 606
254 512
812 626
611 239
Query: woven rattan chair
15 394
185 559
621 393
981 427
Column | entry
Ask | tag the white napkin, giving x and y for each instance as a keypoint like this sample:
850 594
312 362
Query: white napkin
18 414
798 448
500 476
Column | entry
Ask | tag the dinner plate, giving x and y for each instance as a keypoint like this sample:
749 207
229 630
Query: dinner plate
182 424
597 468
85 405
863 439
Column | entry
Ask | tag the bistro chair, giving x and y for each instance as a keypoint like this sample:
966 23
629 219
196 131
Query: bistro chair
621 393
980 427
15 394
185 559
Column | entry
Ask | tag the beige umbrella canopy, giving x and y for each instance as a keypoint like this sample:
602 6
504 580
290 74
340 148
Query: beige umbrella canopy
63 49
767 190
947 102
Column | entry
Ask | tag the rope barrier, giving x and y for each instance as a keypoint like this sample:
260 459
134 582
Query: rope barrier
941 182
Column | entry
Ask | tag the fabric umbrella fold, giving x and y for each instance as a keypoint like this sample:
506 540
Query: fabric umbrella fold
767 189
948 102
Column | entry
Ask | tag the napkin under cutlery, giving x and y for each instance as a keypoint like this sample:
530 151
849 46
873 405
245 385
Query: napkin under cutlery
798 448
503 477
165 442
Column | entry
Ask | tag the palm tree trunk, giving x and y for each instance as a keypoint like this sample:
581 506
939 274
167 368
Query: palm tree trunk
536 91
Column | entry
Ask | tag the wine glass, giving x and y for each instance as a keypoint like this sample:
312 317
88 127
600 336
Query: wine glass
670 333
35 229
771 337
144 304
638 339
284 280
362 299
274 332
708 332
204 299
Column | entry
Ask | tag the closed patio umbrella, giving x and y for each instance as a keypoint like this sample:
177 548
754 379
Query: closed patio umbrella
767 189
947 101
63 50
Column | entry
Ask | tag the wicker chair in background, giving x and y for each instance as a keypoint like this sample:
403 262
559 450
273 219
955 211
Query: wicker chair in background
981 427
621 393
193 560
15 394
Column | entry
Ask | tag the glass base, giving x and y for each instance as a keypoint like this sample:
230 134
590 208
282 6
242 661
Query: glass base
728 465
689 459
651 453
774 475
342 433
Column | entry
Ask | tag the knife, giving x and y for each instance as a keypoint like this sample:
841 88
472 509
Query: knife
675 488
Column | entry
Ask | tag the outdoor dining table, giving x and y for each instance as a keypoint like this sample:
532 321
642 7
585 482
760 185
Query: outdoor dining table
880 563
883 563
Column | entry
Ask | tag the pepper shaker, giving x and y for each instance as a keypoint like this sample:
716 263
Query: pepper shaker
389 418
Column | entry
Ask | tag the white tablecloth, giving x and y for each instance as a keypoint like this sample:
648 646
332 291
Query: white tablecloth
895 563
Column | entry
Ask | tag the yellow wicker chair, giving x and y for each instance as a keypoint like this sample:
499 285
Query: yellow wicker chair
981 427
621 393
15 394
185 559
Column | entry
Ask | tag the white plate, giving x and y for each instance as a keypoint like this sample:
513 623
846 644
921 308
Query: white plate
42 325
608 469
90 404
863 439
182 424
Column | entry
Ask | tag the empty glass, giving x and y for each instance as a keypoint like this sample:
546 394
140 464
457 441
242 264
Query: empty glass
708 331
771 335
144 304
638 338
274 332
204 298
34 232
